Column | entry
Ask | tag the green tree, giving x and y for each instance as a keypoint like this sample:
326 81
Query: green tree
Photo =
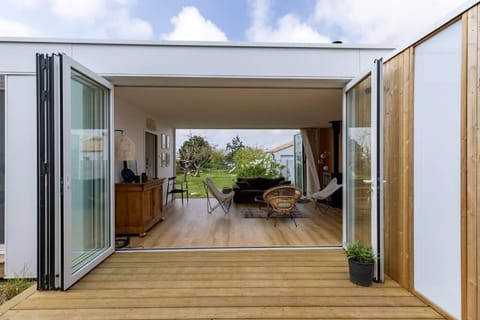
232 148
218 159
194 154
252 162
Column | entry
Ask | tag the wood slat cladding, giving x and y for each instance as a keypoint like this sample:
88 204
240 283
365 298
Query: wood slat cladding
398 166
471 261
243 290
398 153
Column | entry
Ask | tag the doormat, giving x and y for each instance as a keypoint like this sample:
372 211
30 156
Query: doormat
261 213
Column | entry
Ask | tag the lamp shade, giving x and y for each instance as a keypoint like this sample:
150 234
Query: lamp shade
125 149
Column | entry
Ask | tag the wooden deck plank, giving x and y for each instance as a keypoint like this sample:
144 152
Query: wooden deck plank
232 312
227 264
158 284
216 270
269 275
85 303
238 289
227 292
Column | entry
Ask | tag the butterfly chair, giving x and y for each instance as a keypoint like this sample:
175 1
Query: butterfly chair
173 188
326 192
282 200
224 200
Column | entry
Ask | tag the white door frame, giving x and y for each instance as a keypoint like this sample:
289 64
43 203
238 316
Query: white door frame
376 169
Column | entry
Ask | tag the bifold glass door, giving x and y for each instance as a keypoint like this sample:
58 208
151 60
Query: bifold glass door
363 192
76 181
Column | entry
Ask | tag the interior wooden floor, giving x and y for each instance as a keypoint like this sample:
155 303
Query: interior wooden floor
192 226
223 284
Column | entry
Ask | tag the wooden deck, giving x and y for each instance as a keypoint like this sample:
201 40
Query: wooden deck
192 226
234 284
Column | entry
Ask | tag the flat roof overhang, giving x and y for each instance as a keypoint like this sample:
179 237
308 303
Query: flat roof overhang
196 59
214 84
208 103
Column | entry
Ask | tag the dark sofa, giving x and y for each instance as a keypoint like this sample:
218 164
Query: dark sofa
246 189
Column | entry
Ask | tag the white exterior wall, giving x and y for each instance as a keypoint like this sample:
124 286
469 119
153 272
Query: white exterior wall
20 175
133 121
437 164
133 62
198 60
286 157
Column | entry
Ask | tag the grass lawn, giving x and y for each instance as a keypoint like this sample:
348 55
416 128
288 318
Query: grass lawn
220 177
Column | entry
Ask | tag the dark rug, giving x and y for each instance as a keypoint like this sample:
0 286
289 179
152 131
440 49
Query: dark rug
261 213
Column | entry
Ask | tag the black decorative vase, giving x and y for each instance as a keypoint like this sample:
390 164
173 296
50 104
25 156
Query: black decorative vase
361 273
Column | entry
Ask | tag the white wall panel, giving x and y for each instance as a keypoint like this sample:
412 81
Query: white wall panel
274 61
437 206
20 175
20 57
132 120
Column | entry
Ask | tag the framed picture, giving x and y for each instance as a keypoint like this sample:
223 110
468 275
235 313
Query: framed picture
164 161
163 141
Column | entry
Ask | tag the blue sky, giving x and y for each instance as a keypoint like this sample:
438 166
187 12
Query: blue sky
352 21
380 22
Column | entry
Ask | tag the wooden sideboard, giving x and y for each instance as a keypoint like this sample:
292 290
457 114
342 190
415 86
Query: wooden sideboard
138 206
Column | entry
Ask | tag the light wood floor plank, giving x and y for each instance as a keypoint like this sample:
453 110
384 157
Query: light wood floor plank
192 226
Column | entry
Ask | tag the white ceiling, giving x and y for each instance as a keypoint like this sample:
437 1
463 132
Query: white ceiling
265 107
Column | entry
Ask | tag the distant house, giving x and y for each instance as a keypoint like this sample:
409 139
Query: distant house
284 154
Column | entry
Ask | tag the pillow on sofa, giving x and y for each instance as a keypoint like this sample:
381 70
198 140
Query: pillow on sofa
243 184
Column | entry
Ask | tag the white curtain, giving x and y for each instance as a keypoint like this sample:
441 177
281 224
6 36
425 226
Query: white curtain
312 183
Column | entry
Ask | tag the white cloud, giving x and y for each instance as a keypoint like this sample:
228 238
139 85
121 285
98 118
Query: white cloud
189 24
380 22
85 10
24 4
127 27
103 18
11 28
288 28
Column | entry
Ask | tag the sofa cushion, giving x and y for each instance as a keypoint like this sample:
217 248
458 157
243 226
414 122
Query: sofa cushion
243 184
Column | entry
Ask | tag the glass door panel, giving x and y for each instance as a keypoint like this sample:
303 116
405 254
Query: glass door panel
359 155
90 175
75 171
363 187
88 236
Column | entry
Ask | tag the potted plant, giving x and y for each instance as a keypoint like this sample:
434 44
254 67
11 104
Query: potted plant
360 263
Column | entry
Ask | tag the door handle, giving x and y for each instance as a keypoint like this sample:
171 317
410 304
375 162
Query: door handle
367 181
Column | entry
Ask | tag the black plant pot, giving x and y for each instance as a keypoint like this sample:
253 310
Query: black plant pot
361 273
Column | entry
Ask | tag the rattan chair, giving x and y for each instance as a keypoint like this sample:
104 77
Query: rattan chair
282 200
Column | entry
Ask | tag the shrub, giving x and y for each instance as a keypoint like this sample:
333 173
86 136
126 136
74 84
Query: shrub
12 287
262 165
360 253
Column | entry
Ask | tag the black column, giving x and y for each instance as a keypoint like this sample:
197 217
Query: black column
337 196
336 144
